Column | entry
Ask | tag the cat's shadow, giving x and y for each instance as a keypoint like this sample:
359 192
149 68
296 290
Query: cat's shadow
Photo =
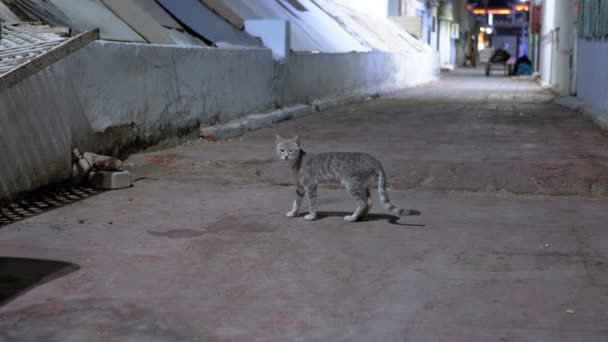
371 217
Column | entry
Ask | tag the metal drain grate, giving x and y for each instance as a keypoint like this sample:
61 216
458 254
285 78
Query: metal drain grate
39 202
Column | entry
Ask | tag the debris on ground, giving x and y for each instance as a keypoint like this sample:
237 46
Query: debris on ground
103 163
102 172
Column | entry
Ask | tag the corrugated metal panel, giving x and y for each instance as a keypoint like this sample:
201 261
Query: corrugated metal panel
174 30
184 39
41 11
142 22
254 9
311 28
324 29
158 13
376 33
89 14
225 12
202 20
7 15
22 43
412 24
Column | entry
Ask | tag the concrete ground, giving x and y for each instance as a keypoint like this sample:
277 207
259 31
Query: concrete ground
510 246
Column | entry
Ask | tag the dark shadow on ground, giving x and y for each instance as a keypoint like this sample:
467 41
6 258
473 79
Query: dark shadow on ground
392 219
19 275
41 201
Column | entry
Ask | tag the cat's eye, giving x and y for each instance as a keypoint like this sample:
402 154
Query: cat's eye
282 150
290 151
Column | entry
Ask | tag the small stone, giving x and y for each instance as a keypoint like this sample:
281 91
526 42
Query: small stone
547 245
81 221
110 180
570 311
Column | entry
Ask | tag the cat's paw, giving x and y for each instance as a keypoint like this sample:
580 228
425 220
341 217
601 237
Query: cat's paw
292 214
310 217
350 218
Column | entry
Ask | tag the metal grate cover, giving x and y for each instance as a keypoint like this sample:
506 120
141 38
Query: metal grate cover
23 42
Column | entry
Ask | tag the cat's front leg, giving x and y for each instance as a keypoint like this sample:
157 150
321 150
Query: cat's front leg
311 192
297 202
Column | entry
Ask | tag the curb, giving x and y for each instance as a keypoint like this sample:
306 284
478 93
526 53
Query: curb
252 122
235 128
323 104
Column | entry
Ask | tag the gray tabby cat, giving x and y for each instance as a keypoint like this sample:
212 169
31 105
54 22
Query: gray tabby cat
355 171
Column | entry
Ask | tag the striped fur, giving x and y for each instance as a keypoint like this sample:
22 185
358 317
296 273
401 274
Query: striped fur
355 171
385 201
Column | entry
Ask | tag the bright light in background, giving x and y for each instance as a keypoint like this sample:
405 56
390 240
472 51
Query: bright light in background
490 19
502 11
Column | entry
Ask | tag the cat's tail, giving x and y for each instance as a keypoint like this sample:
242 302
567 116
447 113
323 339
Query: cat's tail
385 201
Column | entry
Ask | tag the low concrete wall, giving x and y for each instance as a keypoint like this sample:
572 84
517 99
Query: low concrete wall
114 98
308 77
138 94
592 79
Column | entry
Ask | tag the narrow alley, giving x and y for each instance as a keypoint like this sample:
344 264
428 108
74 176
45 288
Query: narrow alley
510 245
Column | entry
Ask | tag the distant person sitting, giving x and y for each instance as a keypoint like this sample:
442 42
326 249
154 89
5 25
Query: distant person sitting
523 66
500 56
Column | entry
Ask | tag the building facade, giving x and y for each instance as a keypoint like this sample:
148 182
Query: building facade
572 45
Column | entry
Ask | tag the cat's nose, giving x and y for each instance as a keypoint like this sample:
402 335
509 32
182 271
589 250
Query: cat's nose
285 157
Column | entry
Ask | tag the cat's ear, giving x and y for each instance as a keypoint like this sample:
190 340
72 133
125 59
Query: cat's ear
296 138
277 136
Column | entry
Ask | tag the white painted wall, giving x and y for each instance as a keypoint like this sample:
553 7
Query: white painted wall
445 40
565 37
159 90
592 77
547 40
316 76
556 44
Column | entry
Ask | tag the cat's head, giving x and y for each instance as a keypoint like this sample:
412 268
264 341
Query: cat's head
288 148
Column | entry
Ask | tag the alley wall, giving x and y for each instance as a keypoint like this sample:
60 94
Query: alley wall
316 76
117 98
592 80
